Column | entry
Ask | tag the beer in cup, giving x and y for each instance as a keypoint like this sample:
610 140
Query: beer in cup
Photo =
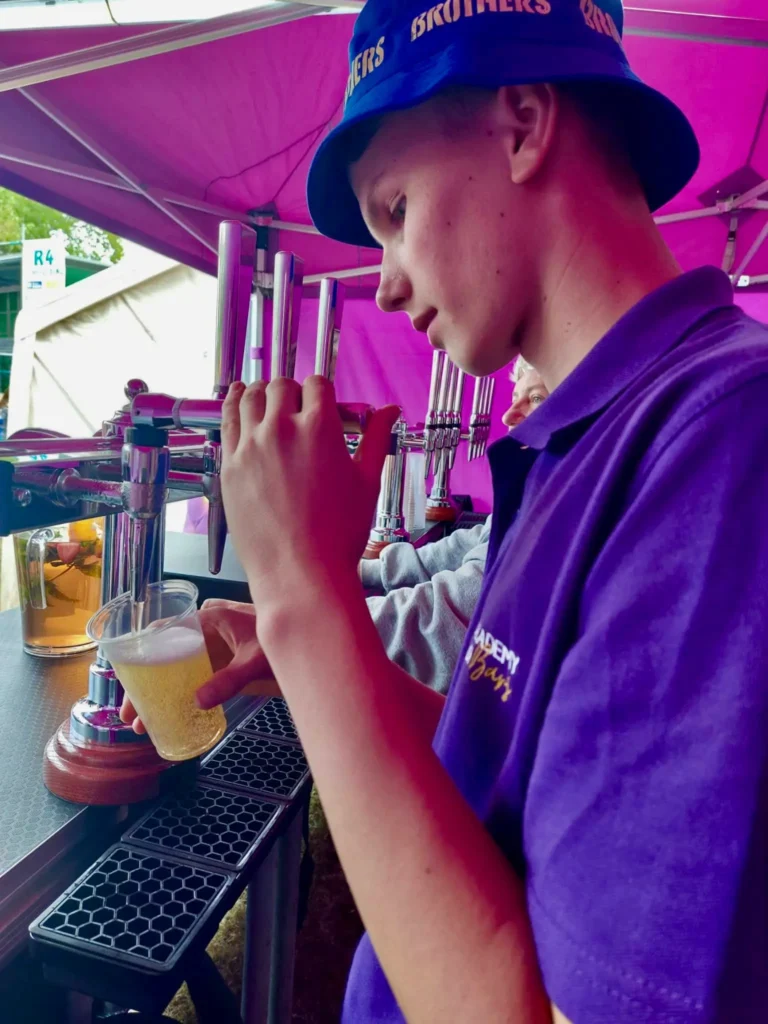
161 666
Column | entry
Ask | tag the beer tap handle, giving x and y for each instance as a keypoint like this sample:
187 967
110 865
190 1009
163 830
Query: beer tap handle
443 401
490 385
329 326
430 423
145 465
444 417
289 279
458 401
237 258
477 394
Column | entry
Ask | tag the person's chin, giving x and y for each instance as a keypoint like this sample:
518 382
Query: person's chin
476 358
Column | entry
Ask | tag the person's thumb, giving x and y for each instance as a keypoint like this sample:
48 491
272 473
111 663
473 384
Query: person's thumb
376 444
227 683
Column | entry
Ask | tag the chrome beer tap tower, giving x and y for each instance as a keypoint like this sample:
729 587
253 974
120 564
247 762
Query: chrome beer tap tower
156 449
439 438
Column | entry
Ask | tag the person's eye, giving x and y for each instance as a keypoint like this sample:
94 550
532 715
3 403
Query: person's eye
536 399
397 210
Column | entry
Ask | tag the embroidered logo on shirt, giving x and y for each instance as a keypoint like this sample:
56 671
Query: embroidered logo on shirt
485 646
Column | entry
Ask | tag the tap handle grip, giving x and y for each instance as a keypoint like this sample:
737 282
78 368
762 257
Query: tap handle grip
489 391
289 279
237 257
438 362
329 326
477 396
458 398
446 384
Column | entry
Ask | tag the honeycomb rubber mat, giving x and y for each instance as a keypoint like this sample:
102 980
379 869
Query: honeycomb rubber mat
272 719
257 764
208 824
134 908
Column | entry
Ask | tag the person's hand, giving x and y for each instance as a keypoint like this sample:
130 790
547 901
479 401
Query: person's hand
298 507
236 657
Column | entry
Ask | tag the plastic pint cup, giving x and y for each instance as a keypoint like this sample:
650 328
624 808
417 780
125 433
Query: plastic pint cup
162 666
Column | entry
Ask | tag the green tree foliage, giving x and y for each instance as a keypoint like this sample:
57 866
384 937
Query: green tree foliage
40 221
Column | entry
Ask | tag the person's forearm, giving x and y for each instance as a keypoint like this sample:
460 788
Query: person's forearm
445 911
423 628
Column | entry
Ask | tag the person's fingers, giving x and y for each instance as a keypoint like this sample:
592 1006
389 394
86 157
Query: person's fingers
266 686
230 418
253 405
376 444
212 603
127 711
283 398
318 396
129 716
218 642
228 682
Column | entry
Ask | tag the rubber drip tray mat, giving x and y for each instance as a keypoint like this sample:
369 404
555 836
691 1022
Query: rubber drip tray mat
208 824
272 719
138 915
257 764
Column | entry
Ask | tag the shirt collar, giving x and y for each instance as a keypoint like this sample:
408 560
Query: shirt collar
644 334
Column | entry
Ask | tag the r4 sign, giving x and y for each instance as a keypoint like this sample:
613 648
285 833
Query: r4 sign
43 256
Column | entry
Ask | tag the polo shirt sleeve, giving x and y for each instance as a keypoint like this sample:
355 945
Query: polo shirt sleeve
646 817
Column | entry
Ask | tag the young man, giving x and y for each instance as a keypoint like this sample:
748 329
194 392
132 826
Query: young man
584 834
422 599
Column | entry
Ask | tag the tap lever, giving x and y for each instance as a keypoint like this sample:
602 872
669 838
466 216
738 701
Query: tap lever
490 385
329 326
237 256
475 418
163 411
430 423
289 279
458 401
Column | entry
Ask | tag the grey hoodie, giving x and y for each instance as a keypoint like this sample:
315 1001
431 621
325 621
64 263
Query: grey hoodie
423 599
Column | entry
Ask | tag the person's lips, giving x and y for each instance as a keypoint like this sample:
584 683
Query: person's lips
423 320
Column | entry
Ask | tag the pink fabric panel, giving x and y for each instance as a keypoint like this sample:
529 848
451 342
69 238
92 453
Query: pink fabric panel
755 304
235 121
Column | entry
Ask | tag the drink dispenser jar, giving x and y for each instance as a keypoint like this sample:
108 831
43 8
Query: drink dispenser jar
58 569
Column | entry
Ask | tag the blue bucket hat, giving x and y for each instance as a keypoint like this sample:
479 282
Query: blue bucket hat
402 53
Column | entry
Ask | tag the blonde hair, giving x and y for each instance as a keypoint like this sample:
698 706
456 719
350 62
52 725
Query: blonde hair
519 369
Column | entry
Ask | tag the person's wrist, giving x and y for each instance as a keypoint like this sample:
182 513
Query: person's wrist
286 611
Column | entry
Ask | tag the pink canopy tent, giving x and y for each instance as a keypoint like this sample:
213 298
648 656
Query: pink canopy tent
158 134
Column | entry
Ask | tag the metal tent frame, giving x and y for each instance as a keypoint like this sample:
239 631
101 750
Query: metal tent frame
24 77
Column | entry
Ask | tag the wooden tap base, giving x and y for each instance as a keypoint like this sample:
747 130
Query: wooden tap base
84 772
441 514
374 548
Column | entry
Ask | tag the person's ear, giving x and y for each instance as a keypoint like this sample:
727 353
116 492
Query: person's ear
526 116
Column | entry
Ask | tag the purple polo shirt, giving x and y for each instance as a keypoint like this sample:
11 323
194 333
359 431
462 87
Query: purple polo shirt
608 721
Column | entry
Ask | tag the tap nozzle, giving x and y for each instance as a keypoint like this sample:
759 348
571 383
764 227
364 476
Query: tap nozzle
146 461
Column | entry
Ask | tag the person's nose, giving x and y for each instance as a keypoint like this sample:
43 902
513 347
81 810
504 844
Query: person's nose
394 289
513 415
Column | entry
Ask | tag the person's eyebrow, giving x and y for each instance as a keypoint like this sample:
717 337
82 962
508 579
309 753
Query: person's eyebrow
368 204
